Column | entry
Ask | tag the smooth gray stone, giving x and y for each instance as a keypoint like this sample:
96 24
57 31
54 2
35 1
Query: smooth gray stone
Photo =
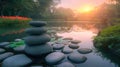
3 44
66 64
37 40
58 46
67 50
20 60
68 39
75 41
2 50
17 40
54 58
37 23
5 55
38 50
36 31
84 50
74 46
20 48
36 66
76 58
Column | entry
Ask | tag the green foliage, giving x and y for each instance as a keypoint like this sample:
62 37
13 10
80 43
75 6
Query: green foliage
16 44
108 38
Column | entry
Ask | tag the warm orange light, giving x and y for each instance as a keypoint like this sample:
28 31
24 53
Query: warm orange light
85 9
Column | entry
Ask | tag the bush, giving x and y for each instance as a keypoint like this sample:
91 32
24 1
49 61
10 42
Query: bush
13 21
108 37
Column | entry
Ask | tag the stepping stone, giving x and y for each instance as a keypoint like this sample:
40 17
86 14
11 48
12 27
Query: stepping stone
20 60
76 58
36 31
84 50
58 46
67 50
2 50
38 50
74 46
75 41
37 23
20 48
54 58
3 44
37 40
36 66
68 39
18 40
5 55
65 64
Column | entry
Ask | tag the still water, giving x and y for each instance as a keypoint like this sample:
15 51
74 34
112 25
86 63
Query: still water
84 33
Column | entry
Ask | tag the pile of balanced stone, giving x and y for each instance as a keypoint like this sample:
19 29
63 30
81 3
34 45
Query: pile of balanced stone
36 46
36 42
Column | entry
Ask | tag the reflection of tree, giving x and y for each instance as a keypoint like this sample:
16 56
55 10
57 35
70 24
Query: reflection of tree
105 54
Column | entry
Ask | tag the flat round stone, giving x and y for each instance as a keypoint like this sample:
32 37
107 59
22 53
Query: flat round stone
17 40
67 50
38 50
37 40
37 23
5 55
20 60
36 31
54 58
76 58
65 64
2 50
3 44
58 46
75 41
74 46
19 48
84 50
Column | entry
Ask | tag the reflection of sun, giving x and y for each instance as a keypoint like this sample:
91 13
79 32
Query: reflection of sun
85 9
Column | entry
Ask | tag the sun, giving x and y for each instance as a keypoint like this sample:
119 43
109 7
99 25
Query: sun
85 9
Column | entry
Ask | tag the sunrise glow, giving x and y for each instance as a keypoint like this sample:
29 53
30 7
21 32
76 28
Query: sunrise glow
85 9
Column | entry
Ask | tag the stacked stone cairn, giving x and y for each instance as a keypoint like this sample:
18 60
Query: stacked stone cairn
36 42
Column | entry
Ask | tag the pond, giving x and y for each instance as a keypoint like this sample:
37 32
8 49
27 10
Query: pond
84 33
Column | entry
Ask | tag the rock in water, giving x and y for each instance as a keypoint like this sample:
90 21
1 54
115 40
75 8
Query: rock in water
36 31
5 55
74 46
38 50
75 41
2 50
58 46
20 60
37 23
37 40
54 58
65 64
67 50
77 58
20 48
84 50
3 44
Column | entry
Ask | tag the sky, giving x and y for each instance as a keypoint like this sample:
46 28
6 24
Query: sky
76 4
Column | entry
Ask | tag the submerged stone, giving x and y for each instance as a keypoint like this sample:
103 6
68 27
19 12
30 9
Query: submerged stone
3 44
58 46
84 50
66 64
74 46
76 58
67 50
54 58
